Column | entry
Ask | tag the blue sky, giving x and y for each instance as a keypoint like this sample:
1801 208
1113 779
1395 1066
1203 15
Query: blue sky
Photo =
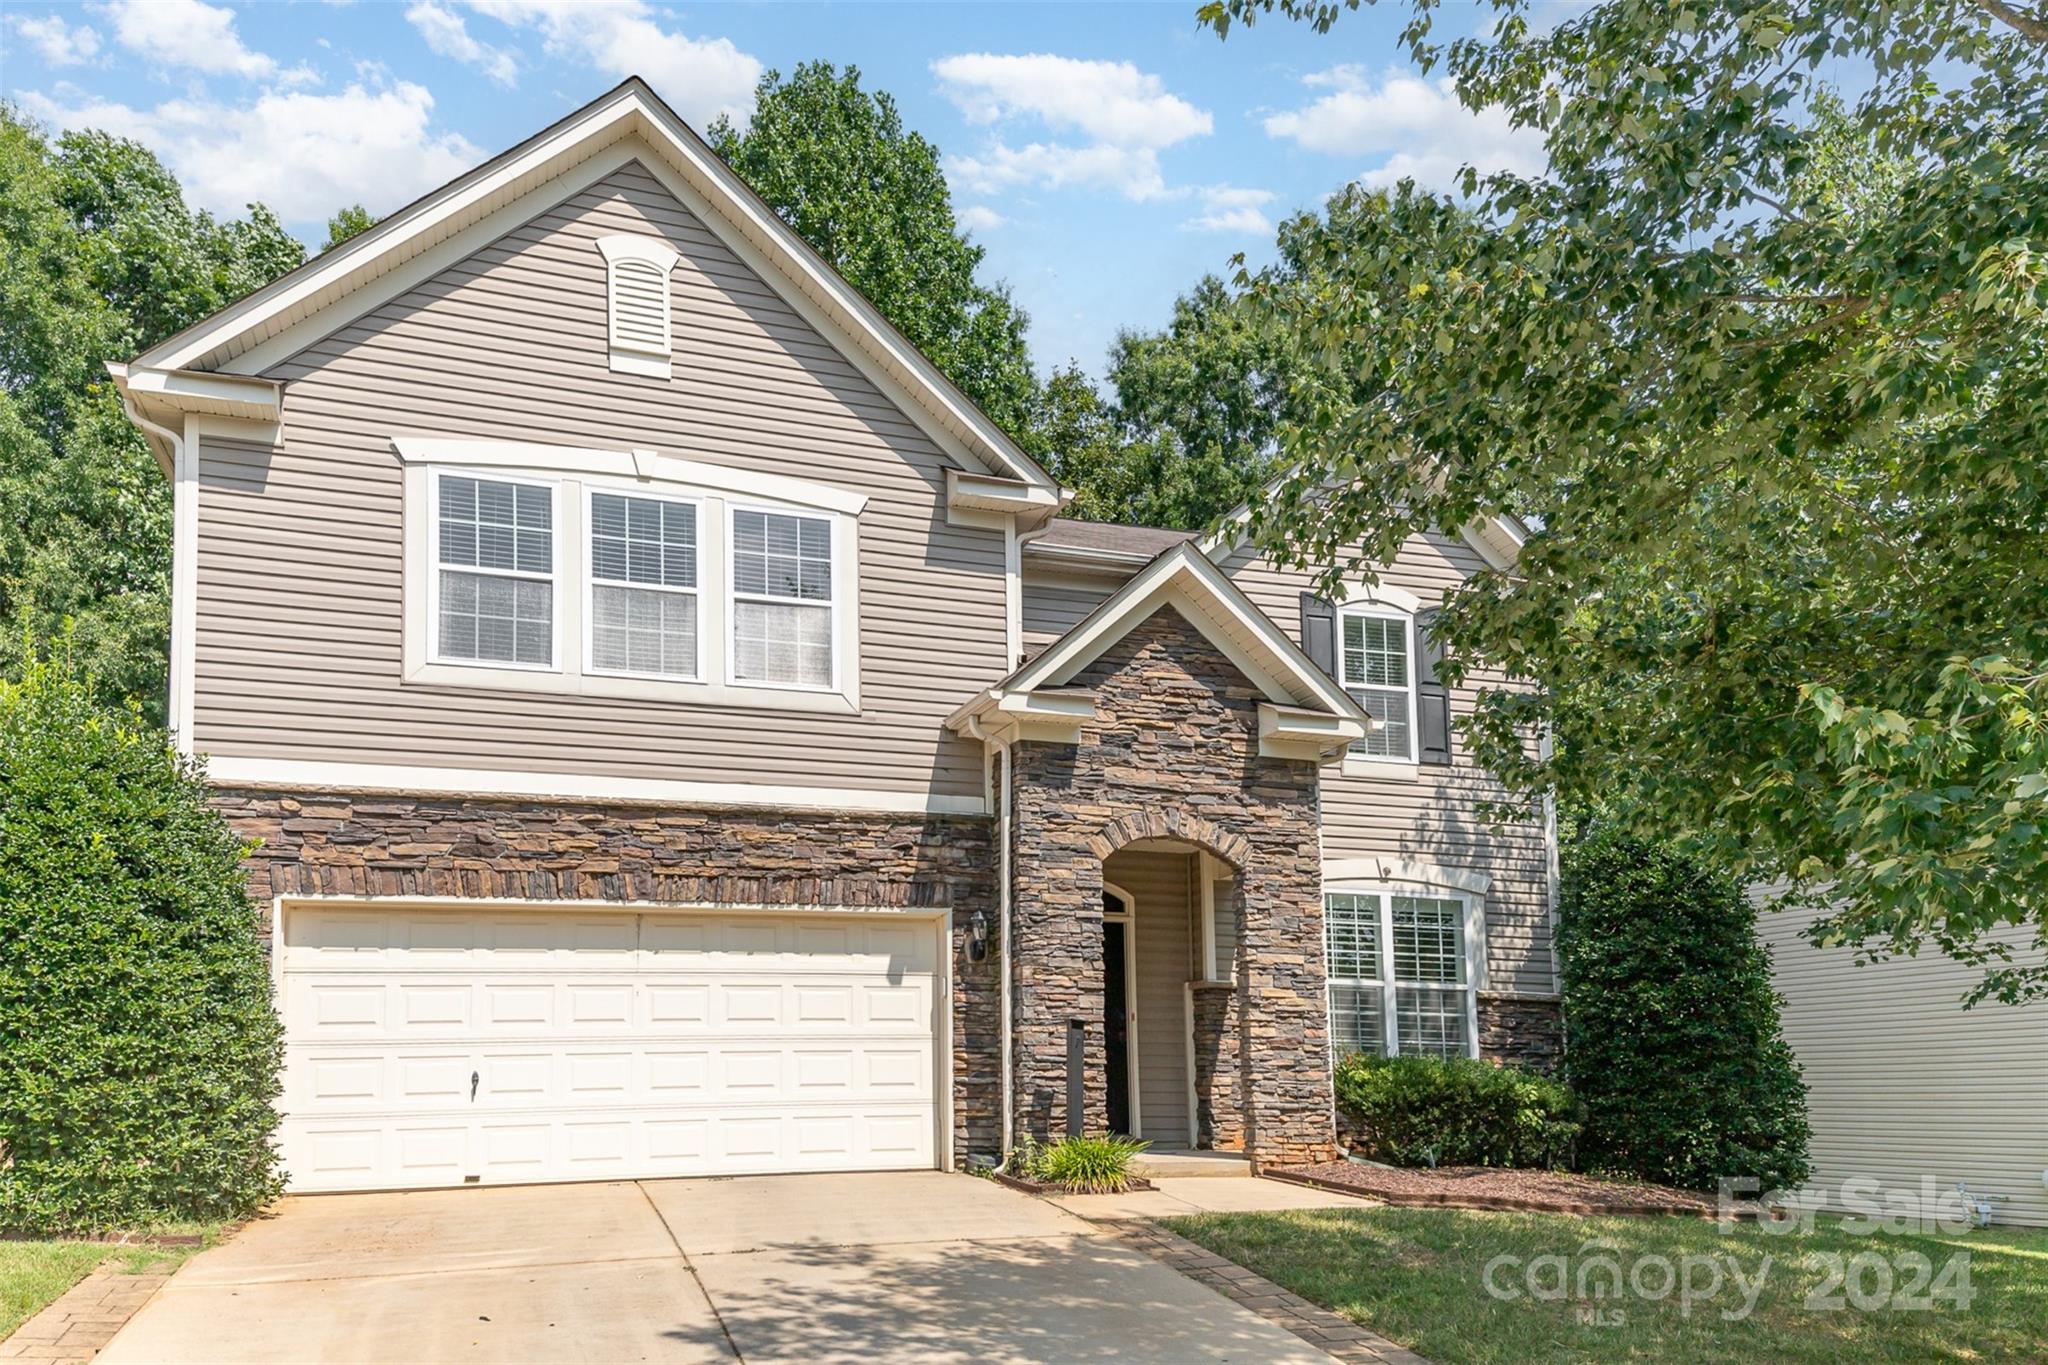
1106 155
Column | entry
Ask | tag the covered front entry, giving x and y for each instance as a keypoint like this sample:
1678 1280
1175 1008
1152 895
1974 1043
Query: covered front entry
446 1046
1169 938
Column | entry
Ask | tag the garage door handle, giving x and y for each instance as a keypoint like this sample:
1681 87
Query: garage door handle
472 1087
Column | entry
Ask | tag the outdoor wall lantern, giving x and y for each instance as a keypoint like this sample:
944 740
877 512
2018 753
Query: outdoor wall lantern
977 938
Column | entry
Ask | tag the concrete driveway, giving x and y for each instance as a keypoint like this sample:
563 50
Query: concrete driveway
911 1266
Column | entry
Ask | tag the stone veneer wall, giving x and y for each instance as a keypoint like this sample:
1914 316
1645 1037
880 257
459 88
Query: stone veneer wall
1172 753
1523 1031
1219 1115
458 848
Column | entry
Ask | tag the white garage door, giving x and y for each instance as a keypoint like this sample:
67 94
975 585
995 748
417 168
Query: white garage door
444 1047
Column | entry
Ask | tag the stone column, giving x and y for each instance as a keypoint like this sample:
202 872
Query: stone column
1283 1026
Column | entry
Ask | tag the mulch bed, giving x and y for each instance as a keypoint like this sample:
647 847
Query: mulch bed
1508 1190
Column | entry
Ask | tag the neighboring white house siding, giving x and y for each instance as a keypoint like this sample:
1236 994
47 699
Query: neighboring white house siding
1902 1082
300 550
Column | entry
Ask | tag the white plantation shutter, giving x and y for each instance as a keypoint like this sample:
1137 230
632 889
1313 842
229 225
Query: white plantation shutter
639 308
637 301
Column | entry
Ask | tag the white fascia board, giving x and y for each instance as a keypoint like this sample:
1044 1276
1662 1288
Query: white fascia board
290 774
406 233
1182 575
639 464
198 392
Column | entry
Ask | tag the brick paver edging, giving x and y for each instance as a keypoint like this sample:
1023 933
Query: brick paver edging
1328 1332
84 1318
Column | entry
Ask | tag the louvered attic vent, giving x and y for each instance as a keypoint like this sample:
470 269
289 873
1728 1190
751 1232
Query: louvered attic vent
636 288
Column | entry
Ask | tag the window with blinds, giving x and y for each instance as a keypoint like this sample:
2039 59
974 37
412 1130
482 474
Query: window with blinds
643 585
782 599
496 564
1378 673
1400 974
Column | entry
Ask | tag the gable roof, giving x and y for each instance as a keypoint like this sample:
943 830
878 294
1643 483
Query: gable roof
1304 709
340 284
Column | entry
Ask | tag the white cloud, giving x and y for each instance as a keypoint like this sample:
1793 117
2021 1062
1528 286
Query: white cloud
59 43
446 34
1231 208
189 33
1125 118
701 77
305 155
980 218
1425 132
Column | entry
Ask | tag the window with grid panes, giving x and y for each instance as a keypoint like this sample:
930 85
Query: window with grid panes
1399 973
495 576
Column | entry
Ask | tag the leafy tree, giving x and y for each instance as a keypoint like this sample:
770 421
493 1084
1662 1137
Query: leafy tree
99 258
347 223
1772 370
1073 433
835 162
139 1047
1672 1042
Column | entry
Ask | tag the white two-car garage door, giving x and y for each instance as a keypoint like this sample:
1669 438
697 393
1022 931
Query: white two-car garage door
445 1047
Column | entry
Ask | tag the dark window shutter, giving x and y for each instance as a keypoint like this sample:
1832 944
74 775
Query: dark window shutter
1432 698
1319 632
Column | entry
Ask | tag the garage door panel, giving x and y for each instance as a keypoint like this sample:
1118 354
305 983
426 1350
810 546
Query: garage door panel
603 1046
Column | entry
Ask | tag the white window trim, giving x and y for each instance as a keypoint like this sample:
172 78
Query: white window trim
570 675
432 587
842 583
591 582
1392 878
629 357
1406 620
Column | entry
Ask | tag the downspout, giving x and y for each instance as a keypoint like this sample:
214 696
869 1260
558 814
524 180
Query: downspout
184 566
1003 922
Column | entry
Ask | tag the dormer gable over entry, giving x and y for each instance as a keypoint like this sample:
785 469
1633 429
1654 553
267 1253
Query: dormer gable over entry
1302 714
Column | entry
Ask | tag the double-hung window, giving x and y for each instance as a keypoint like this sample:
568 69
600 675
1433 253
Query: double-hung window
643 585
628 574
495 552
782 599
1376 655
1401 978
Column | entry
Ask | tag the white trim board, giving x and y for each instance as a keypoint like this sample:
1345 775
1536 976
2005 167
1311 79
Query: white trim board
287 774
1285 673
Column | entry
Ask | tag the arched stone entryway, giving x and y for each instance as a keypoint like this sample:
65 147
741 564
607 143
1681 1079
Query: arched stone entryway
1172 754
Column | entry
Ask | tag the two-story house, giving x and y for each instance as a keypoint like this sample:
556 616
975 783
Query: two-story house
683 737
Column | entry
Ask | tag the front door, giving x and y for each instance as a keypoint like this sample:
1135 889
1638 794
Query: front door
1116 1033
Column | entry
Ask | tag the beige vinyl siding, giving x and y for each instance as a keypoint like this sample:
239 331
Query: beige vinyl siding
300 547
1161 884
1430 816
1903 1083
1054 603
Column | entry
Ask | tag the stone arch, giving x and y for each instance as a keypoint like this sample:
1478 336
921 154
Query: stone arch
1152 822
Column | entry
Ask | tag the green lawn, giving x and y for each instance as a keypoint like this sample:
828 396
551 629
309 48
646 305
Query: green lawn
1420 1276
34 1273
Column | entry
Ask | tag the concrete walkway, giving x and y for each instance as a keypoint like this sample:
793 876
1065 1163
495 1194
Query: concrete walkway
914 1266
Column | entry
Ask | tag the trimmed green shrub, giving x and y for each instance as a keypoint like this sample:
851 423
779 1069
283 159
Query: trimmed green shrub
1085 1165
1672 1041
1455 1111
139 1049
